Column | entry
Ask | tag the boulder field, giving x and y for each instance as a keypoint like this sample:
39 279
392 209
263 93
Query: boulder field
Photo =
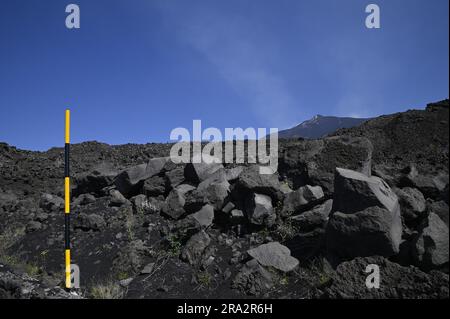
144 227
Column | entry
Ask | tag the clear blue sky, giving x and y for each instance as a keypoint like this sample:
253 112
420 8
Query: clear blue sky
139 68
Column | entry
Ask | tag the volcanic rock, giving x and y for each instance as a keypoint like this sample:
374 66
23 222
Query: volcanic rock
349 281
274 255
154 186
213 191
355 191
260 211
302 197
84 199
129 181
51 203
253 279
89 222
202 167
99 177
33 226
174 204
432 245
412 203
194 248
440 208
316 217
373 231
204 216
250 180
175 177
313 162
143 205
117 199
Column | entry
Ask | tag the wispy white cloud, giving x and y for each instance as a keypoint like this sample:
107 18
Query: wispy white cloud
240 53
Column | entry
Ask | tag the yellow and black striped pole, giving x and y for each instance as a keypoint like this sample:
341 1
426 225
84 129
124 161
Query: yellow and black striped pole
67 201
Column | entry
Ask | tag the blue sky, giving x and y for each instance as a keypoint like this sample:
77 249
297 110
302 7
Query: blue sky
139 68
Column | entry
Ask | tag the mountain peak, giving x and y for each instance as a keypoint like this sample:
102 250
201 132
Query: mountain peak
319 126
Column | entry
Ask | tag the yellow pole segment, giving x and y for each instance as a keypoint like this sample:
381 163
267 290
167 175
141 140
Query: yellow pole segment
67 126
68 280
67 195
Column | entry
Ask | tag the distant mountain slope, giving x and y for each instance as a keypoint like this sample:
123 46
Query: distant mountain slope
320 126
415 136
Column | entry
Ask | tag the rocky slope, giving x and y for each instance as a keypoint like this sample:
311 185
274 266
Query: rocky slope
143 227
320 126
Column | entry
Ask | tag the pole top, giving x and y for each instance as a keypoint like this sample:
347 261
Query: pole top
67 126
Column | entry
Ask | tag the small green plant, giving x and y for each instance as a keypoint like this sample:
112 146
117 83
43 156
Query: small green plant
43 256
323 279
129 228
317 268
284 280
285 230
10 260
32 270
278 207
122 275
174 246
44 253
264 232
204 279
108 290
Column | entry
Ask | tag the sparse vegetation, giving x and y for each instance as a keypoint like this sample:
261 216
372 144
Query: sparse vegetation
107 290
43 256
174 246
317 269
278 207
32 269
285 230
10 260
122 275
323 279
8 238
204 278
129 224
206 281
284 280
264 232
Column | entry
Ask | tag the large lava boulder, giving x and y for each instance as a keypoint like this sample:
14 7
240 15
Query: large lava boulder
366 217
